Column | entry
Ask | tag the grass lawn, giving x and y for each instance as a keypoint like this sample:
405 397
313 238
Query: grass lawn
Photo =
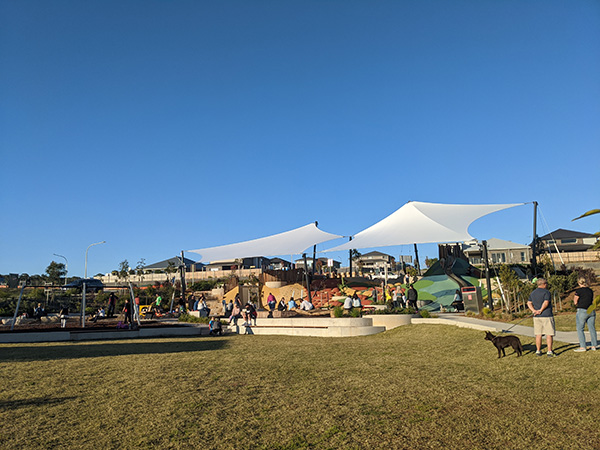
563 322
418 386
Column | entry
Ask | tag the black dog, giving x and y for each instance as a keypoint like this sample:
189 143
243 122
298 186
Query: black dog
501 342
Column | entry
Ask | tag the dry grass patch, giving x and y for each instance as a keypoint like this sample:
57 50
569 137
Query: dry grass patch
413 387
563 322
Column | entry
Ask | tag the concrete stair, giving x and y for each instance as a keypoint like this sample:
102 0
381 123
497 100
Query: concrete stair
310 326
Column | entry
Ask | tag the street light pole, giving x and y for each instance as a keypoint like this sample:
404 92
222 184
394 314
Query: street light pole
84 286
66 265
86 253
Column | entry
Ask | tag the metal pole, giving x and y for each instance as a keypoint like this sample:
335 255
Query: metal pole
487 275
350 257
534 249
417 265
86 253
306 276
136 307
66 266
12 325
83 307
183 286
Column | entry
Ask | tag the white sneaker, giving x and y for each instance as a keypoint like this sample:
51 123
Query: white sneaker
593 349
580 350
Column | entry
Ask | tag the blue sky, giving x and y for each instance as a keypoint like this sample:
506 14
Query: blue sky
167 126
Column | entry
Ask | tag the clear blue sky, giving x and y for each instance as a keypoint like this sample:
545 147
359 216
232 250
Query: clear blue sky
166 126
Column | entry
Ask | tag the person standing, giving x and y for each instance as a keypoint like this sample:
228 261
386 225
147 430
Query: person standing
157 303
412 297
191 302
540 304
583 299
229 308
64 315
136 316
127 311
271 302
112 302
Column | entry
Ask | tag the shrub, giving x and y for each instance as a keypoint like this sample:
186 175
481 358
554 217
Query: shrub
338 311
193 319
425 314
204 285
355 312
487 312
391 311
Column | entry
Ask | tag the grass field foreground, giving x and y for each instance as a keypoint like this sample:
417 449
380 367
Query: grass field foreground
418 386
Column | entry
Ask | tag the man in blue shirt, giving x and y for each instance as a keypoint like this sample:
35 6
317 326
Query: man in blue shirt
540 304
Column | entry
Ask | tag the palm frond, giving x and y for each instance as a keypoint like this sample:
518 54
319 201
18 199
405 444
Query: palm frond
589 213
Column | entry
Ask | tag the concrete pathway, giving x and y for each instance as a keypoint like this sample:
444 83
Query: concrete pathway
569 337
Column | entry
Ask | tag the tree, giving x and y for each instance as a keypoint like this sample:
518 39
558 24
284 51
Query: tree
171 268
123 272
55 272
139 268
356 258
429 262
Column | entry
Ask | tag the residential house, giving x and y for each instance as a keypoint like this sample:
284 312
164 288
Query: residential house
375 262
568 241
174 262
499 251
254 262
279 264
321 266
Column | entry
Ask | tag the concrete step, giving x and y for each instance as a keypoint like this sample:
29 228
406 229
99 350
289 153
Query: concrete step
318 326
311 331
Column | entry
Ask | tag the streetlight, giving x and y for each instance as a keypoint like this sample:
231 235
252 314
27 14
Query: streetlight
84 286
66 266
86 253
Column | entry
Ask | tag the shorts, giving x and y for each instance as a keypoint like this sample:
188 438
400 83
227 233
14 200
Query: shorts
543 325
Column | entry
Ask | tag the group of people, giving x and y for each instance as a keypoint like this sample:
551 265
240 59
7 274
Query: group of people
402 297
540 304
248 312
235 311
198 304
305 305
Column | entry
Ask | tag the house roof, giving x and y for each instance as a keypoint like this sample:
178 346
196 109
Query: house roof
175 260
279 260
375 253
565 234
493 244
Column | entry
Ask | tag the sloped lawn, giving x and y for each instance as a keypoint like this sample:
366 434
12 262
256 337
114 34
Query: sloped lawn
419 386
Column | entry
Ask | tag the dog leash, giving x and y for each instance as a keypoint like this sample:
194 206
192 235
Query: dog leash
514 325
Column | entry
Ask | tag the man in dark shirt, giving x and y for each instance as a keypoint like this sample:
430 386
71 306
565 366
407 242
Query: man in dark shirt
412 296
540 304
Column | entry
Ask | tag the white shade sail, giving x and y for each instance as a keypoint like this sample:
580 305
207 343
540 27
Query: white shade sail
420 223
292 242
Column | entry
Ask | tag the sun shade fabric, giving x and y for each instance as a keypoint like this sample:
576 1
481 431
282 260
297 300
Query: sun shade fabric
293 242
421 223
